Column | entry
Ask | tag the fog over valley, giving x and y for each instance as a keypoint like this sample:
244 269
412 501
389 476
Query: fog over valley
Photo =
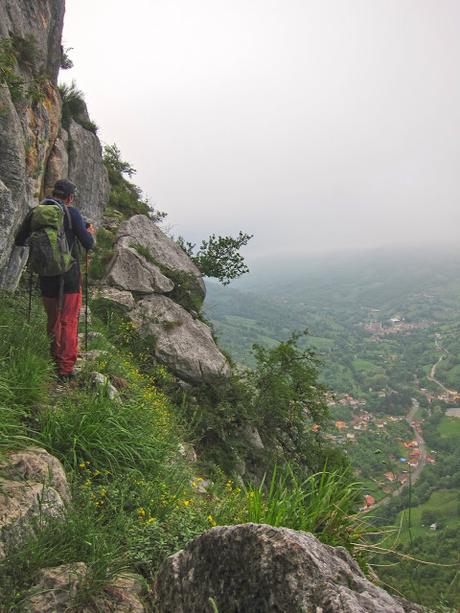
317 126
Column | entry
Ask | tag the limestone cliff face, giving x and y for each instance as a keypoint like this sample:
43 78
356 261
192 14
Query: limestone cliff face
34 149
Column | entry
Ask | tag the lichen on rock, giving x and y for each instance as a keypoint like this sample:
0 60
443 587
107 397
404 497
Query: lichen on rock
254 567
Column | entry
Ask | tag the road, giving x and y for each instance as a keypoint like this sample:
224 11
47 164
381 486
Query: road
432 375
415 474
418 437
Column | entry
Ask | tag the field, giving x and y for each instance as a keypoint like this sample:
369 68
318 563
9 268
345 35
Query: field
442 509
449 427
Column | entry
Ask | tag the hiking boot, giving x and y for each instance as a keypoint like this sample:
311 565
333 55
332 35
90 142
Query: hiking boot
66 378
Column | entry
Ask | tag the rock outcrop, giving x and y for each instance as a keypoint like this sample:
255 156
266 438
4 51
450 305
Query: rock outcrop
181 342
133 272
35 150
159 286
77 155
139 230
33 488
260 568
56 590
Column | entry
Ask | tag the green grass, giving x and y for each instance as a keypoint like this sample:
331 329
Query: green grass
324 504
365 366
449 427
443 506
320 342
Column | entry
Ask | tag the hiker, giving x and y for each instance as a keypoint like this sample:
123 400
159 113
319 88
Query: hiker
56 220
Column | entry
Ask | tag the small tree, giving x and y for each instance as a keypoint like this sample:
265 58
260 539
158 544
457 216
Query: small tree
219 256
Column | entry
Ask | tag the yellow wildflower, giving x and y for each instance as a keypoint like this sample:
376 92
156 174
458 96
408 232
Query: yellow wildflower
212 521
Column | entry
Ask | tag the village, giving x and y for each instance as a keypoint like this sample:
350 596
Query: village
394 325
413 455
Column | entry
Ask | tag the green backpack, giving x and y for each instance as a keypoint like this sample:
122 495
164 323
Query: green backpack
50 254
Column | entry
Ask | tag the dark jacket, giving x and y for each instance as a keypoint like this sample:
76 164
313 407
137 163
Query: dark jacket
76 235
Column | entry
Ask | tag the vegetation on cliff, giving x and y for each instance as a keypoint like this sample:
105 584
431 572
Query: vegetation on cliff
135 498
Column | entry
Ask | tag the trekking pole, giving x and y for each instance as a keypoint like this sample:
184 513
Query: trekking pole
29 313
86 301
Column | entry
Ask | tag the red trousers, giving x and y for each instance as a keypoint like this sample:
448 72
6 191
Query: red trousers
63 330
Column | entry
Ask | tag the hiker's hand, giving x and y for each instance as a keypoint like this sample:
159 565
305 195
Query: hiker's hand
90 228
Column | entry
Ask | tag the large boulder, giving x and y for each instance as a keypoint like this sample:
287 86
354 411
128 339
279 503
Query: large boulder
33 490
24 504
56 590
37 465
181 342
164 252
260 568
114 297
131 271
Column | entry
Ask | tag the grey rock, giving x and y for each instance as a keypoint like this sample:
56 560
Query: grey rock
58 162
43 20
201 486
35 464
83 313
260 568
141 230
22 505
112 295
252 437
91 335
11 273
130 271
187 451
87 171
179 341
103 382
56 590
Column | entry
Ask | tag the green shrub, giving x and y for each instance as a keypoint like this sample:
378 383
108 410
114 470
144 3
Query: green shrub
125 196
102 254
74 107
8 75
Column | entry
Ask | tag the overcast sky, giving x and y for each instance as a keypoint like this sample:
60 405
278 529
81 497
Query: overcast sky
317 125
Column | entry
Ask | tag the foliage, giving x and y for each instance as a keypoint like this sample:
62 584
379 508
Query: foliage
15 52
281 397
384 373
8 74
66 61
324 504
74 107
101 254
79 536
144 252
219 256
135 500
25 50
125 196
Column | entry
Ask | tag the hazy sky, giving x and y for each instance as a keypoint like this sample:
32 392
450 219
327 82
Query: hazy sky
314 124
